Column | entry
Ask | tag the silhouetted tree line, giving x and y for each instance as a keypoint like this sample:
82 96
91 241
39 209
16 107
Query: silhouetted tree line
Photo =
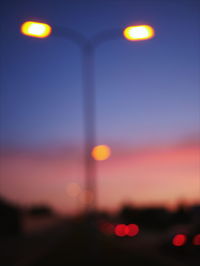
10 219
159 218
40 211
151 218
11 216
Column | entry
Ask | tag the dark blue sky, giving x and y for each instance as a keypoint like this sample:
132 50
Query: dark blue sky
146 92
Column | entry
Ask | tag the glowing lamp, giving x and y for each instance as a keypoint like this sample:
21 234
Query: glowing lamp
36 29
137 33
101 152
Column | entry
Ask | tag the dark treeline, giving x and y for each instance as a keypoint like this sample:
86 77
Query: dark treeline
159 218
11 216
10 219
151 218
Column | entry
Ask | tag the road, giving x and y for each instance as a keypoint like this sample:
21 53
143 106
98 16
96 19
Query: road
25 249
78 242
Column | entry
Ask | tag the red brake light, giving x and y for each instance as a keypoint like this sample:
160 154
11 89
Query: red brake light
120 230
132 229
196 240
179 240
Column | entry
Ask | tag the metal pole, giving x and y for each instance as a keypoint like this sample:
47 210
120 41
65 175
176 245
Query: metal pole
89 124
87 48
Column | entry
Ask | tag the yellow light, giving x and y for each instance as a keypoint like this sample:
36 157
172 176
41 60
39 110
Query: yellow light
101 152
36 29
137 33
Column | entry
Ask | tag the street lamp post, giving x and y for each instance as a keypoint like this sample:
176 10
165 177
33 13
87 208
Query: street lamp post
89 123
131 33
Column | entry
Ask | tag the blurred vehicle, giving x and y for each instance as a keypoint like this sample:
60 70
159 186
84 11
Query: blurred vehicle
182 241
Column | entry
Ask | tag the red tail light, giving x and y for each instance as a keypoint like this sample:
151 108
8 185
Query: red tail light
106 228
196 240
179 240
120 230
126 230
132 230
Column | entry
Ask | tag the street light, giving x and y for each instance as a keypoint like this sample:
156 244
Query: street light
131 33
138 33
101 152
36 29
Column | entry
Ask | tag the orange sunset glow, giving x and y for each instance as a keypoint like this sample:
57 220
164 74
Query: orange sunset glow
144 176
100 133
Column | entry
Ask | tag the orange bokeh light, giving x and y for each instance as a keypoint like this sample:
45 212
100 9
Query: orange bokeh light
140 32
36 29
101 152
73 190
86 197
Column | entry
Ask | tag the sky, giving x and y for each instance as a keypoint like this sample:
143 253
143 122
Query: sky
147 103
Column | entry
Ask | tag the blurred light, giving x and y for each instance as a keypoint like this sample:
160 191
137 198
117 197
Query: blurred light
136 33
179 240
73 190
86 197
132 229
196 240
101 152
120 230
106 228
36 29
